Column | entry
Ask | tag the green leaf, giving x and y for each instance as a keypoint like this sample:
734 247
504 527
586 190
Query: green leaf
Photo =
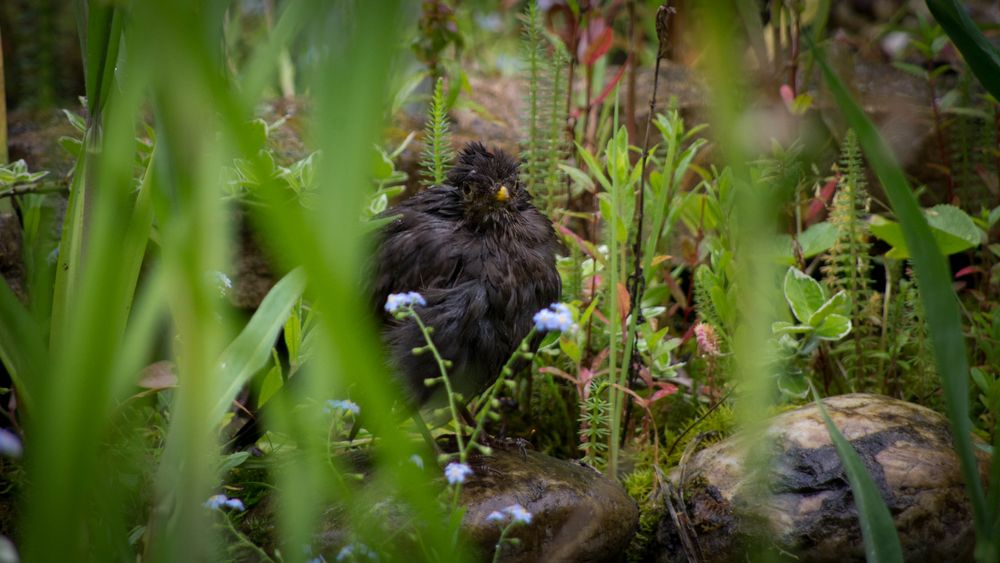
579 177
834 327
232 461
839 303
793 385
817 239
22 350
785 327
271 384
994 216
940 303
913 69
804 294
979 53
953 229
595 168
252 347
75 120
877 528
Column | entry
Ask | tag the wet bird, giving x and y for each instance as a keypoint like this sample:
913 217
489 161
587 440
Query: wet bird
483 258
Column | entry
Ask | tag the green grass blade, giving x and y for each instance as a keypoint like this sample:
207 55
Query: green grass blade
981 56
252 348
21 348
877 528
934 281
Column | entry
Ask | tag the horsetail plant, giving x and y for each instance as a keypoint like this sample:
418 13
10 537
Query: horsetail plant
438 152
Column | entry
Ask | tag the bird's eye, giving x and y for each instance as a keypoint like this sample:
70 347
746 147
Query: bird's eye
466 190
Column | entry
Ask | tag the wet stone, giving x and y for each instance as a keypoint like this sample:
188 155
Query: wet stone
807 508
577 513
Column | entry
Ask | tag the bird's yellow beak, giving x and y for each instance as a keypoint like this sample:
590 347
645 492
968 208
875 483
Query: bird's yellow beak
503 194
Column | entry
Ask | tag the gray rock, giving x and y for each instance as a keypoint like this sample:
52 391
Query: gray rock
807 507
578 514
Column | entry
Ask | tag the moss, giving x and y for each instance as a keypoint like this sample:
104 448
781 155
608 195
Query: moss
641 486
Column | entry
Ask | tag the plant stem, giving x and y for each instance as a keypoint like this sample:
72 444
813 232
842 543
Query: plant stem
637 281
442 368
504 374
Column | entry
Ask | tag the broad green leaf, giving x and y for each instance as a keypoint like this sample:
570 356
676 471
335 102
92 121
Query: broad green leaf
252 347
877 528
834 327
232 461
271 384
793 384
579 177
817 238
839 304
804 294
952 228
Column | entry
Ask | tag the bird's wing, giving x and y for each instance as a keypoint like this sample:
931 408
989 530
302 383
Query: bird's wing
416 252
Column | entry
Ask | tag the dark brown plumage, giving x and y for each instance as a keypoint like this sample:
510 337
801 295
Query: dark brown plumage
482 256
484 263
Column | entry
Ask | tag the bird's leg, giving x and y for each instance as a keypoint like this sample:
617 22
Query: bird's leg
425 433
467 417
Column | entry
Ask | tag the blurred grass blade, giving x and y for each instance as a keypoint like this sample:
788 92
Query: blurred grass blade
100 43
100 48
877 527
21 348
981 56
252 348
934 281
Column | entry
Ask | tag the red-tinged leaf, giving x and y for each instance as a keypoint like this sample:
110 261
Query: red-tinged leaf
605 92
968 271
662 392
568 30
787 95
159 375
596 41
610 86
639 400
554 371
822 201
624 301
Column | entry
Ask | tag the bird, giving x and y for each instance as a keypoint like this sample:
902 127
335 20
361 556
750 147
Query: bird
484 260
482 257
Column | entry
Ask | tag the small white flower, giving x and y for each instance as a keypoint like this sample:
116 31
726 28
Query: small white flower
495 516
557 317
344 405
397 301
417 460
218 502
457 472
518 513
350 550
10 444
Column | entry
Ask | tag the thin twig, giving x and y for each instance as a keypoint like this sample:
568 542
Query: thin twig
637 281
698 420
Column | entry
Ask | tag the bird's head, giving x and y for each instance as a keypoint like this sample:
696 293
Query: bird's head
488 181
